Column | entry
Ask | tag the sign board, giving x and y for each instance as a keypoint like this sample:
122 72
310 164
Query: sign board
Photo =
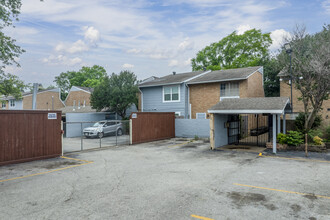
134 115
52 116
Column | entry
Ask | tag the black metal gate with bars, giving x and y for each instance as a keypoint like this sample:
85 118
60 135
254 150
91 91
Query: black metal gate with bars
249 129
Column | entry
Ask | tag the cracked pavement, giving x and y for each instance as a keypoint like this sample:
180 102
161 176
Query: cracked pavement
157 181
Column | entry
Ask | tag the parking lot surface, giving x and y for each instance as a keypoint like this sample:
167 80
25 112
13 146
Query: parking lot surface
170 179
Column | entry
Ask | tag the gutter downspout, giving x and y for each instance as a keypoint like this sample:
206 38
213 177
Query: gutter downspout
188 106
141 99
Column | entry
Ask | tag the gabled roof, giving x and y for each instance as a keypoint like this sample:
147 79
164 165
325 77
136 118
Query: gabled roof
87 89
41 91
227 75
171 79
275 105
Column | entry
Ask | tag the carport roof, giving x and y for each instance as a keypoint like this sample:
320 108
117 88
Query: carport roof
271 105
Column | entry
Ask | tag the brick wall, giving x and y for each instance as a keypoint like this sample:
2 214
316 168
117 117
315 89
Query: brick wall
298 106
78 96
255 85
203 96
42 99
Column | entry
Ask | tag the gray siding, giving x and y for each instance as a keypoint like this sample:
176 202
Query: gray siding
220 132
153 100
192 127
74 129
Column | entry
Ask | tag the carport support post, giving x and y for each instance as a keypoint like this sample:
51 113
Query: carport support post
284 124
274 133
278 123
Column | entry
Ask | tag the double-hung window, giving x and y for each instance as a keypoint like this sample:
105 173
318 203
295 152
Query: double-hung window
3 105
12 103
229 90
171 94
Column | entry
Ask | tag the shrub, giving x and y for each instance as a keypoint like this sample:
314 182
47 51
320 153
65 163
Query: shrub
300 122
196 138
313 133
317 140
294 138
282 138
327 133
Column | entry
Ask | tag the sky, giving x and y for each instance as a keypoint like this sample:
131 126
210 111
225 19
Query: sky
150 38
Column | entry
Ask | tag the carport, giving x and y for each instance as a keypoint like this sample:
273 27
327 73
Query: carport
225 123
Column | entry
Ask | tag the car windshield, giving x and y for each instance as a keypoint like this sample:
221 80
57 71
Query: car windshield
98 124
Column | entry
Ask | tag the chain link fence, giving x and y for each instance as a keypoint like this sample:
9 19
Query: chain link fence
80 136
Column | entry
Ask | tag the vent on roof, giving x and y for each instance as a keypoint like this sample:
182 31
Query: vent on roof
174 72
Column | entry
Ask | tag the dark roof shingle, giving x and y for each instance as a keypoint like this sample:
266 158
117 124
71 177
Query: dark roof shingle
171 79
265 104
225 75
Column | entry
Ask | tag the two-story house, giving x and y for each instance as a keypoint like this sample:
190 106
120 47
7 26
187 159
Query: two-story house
298 106
191 94
167 94
48 99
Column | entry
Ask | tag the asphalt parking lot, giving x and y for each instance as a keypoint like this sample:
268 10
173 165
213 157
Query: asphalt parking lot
170 179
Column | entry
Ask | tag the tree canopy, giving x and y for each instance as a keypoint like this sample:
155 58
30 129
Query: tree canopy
86 76
234 51
10 9
310 70
11 85
116 93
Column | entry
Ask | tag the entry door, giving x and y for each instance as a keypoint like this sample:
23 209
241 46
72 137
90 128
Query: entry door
233 129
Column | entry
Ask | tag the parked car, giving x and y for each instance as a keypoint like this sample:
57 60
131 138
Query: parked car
102 128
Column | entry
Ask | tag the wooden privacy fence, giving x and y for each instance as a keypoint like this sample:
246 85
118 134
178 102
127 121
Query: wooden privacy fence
152 126
29 135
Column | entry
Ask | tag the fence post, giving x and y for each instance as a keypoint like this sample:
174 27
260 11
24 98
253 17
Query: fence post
62 135
81 137
130 132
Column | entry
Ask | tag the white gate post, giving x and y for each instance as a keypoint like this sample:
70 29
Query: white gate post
274 133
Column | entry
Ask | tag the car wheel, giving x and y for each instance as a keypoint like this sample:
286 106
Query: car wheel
100 134
119 132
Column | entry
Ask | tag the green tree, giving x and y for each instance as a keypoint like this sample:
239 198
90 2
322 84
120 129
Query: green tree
310 71
8 49
86 76
271 81
11 85
234 51
116 93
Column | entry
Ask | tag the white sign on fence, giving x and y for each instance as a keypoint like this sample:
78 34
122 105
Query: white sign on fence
52 116
134 115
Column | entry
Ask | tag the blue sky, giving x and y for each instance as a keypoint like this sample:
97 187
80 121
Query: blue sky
150 38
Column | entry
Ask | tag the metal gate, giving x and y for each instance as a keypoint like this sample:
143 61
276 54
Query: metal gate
255 129
233 129
249 129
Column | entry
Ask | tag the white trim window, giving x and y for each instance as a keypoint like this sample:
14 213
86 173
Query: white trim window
171 93
200 115
12 103
3 104
229 90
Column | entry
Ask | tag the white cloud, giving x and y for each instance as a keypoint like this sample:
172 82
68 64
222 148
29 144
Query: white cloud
186 45
187 62
62 60
91 34
326 6
278 37
76 47
128 66
173 63
134 51
242 28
